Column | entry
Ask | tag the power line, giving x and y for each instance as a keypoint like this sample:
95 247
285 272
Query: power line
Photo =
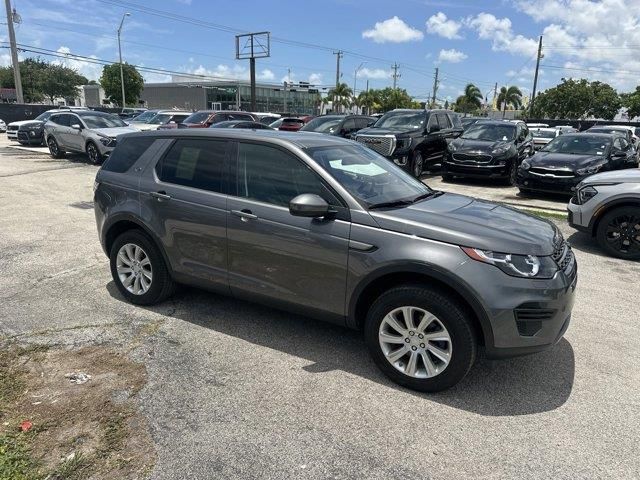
591 70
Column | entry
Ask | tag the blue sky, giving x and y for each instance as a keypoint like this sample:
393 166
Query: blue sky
483 42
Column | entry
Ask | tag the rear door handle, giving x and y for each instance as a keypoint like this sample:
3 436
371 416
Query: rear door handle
160 196
244 214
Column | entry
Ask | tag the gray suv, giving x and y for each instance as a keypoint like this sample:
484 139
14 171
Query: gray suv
328 228
94 133
607 206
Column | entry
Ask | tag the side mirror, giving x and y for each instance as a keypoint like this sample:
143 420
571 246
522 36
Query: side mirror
309 205
76 126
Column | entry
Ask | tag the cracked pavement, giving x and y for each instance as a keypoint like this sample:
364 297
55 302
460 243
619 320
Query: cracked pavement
237 390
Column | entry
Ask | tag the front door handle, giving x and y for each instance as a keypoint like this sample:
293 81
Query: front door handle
244 214
161 196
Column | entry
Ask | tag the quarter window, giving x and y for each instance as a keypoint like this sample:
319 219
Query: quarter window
270 175
127 153
194 163
443 121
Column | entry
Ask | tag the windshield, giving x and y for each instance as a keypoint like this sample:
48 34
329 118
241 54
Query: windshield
323 124
43 117
490 133
544 134
100 121
198 117
276 124
413 120
577 145
369 177
145 117
160 119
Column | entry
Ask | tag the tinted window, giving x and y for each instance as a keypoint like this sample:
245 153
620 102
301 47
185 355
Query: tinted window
198 117
349 125
127 153
179 118
402 119
456 120
219 117
240 116
67 120
194 163
102 121
270 175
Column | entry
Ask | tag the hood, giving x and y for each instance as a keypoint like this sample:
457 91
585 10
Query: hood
23 122
114 131
468 222
29 123
483 146
616 176
564 160
145 126
387 131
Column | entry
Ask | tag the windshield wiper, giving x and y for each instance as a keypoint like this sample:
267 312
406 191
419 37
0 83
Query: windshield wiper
402 203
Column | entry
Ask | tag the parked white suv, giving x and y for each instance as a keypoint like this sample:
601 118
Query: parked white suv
162 117
84 131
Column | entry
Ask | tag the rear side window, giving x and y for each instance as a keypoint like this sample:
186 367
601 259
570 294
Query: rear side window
240 116
443 121
126 153
456 120
194 163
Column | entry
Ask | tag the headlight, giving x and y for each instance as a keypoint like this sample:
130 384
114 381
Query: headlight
403 143
524 266
500 150
589 170
108 141
586 193
452 147
525 165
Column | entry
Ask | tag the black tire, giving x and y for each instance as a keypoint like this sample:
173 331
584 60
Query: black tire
524 192
417 163
54 149
615 220
447 177
93 153
513 175
162 285
452 316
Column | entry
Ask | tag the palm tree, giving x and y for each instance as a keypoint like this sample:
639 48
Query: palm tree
340 96
470 100
510 96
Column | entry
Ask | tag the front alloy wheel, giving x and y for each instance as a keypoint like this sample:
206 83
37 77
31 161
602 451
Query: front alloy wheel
54 148
415 342
94 155
134 269
417 164
619 233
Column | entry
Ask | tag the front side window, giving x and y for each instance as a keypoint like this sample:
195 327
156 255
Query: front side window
443 121
66 120
367 176
43 117
270 175
194 163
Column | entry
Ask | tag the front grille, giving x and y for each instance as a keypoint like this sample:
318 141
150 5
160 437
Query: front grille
384 145
11 128
563 255
551 172
471 157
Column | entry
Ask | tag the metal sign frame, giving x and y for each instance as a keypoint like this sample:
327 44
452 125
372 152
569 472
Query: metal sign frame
253 45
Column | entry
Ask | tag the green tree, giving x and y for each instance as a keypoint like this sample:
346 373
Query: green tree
340 96
510 96
471 99
632 102
578 99
133 83
367 100
58 81
390 98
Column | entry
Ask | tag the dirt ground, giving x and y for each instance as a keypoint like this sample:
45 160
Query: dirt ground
75 431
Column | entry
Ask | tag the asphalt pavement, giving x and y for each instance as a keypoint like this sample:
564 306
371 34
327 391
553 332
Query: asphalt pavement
236 390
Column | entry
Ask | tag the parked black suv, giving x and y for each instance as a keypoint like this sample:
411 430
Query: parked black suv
413 139
338 125
489 149
325 227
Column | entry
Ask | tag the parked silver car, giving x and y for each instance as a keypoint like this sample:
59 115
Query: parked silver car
84 131
607 206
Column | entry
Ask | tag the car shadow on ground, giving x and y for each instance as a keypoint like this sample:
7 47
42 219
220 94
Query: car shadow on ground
520 386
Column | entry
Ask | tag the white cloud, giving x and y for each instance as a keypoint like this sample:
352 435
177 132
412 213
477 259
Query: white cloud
315 78
392 30
500 32
90 70
373 73
438 24
451 56
265 75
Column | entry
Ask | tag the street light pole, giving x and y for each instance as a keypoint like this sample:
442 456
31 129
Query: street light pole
120 53
355 77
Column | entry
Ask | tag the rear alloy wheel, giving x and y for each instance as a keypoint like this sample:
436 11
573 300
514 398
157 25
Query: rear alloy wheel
139 270
95 157
54 148
513 174
420 337
417 164
619 233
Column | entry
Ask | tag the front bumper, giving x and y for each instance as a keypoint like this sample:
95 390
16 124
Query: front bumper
30 136
12 134
575 217
541 183
525 315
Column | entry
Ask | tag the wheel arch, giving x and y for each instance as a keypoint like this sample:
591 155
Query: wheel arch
389 277
603 210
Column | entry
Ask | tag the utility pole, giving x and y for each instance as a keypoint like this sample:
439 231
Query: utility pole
495 94
395 75
286 86
535 78
124 103
435 88
14 53
338 55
